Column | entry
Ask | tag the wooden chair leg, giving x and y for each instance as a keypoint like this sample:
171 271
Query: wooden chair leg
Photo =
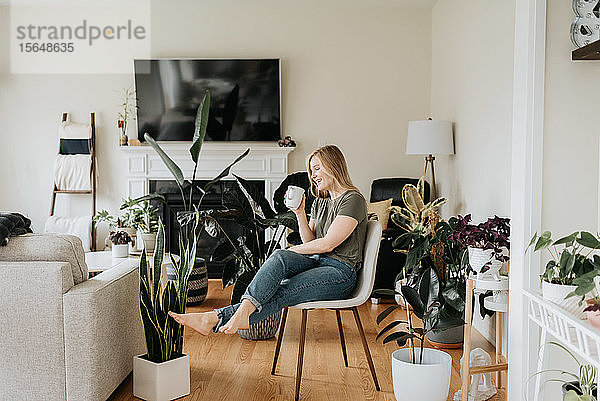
341 330
365 346
279 338
300 353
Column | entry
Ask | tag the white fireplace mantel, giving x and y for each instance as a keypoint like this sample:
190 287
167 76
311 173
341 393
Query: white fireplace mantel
267 161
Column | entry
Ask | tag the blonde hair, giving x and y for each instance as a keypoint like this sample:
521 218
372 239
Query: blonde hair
333 162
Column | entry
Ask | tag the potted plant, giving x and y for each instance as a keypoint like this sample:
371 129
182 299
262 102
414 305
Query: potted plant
413 368
486 243
120 243
429 247
163 372
570 270
114 223
128 108
144 219
592 311
243 256
581 386
415 220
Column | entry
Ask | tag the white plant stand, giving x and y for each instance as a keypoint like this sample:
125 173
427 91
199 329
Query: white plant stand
578 336
500 365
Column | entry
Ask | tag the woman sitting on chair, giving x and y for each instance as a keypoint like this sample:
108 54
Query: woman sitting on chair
323 267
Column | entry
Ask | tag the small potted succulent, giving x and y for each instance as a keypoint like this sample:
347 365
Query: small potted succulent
120 243
486 243
570 271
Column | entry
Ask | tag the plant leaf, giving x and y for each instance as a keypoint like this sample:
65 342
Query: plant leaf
412 199
568 240
171 165
225 171
588 240
200 126
386 313
532 241
544 241
398 336
414 300
257 200
388 328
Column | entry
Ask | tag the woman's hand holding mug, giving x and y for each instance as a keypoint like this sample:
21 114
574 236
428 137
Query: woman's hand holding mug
294 199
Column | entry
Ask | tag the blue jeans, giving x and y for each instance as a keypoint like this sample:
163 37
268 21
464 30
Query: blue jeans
288 278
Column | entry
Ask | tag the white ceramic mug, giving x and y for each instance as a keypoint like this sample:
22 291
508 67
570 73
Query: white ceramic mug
293 197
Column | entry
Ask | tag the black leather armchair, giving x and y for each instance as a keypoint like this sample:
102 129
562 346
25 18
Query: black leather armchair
390 263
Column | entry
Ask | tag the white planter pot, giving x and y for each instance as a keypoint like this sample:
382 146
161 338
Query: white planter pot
149 240
557 292
428 381
161 381
120 251
479 257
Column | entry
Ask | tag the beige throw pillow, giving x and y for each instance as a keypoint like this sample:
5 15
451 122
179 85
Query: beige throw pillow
380 211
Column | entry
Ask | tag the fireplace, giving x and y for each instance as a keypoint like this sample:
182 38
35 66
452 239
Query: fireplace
212 200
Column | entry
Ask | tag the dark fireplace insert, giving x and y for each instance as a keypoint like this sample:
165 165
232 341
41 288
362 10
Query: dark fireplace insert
212 200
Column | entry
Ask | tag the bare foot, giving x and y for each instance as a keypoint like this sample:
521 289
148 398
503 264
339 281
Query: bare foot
201 322
240 319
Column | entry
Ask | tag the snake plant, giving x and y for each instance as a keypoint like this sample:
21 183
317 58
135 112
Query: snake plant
158 296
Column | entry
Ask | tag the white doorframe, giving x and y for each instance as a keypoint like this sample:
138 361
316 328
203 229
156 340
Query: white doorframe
526 187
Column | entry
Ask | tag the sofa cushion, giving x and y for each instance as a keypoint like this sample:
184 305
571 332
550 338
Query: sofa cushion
48 248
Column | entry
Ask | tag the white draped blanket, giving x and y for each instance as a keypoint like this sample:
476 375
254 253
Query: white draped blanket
72 172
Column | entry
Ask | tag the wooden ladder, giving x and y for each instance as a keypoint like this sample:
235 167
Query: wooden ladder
92 190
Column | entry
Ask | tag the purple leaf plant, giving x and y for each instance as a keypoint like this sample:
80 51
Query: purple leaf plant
492 234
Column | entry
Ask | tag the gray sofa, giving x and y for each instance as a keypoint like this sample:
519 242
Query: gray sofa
62 336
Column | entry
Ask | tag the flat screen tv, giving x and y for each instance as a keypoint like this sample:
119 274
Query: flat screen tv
245 98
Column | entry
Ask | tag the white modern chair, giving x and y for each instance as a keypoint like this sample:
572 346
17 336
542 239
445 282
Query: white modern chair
362 292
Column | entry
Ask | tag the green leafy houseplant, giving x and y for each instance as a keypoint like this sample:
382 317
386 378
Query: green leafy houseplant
571 262
142 215
580 386
164 337
243 256
431 248
426 302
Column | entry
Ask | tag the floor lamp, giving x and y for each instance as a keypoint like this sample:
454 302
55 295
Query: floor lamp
430 137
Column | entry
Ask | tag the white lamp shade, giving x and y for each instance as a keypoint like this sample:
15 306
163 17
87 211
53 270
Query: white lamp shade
429 137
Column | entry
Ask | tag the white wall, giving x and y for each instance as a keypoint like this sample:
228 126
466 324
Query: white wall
353 74
471 85
571 128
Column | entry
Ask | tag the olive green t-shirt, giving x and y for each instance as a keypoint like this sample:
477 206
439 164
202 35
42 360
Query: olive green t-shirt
352 204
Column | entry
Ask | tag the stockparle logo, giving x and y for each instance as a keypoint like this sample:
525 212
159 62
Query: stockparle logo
67 37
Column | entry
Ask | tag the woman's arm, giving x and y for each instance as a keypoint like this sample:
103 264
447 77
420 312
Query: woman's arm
307 229
340 229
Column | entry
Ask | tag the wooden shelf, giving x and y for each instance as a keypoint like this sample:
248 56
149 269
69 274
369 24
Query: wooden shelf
587 52
64 191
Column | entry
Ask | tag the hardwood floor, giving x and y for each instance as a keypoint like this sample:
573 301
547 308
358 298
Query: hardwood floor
226 367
